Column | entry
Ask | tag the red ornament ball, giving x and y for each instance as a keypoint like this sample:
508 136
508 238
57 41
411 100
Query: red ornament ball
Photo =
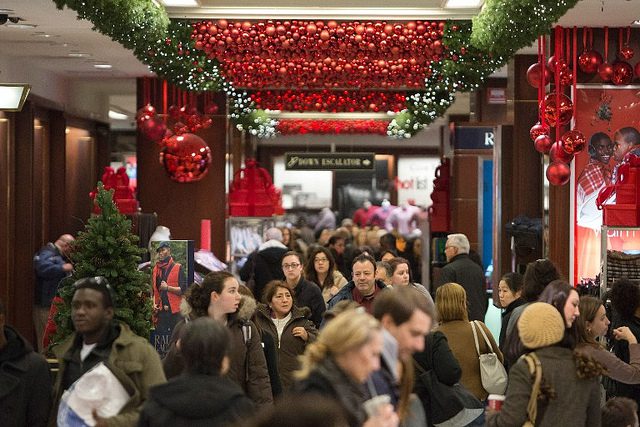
566 75
186 158
605 71
533 75
543 144
589 61
626 52
537 130
622 73
154 129
558 173
558 154
557 114
573 142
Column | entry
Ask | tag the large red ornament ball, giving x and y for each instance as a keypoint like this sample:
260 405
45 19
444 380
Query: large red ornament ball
557 114
558 154
533 75
589 61
573 142
186 158
605 71
626 52
622 73
537 130
566 75
558 173
154 128
543 144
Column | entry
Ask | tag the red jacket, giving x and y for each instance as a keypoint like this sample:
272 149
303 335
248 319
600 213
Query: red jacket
172 280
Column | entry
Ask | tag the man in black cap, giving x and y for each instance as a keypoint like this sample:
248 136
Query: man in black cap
100 338
169 283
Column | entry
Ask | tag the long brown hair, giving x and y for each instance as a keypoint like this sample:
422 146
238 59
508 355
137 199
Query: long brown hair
310 272
589 307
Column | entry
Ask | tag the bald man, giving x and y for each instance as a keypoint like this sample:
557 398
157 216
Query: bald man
51 265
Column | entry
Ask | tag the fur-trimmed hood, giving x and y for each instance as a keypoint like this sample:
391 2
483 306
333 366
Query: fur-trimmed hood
245 310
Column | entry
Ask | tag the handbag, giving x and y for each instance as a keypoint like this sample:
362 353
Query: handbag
449 406
535 368
492 373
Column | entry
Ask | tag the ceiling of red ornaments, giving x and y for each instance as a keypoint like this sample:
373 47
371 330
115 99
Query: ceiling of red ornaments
322 54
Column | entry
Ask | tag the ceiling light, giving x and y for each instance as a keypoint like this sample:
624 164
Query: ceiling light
78 55
462 4
636 23
114 115
13 95
103 66
180 3
21 26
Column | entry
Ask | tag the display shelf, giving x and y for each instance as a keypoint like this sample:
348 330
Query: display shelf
623 234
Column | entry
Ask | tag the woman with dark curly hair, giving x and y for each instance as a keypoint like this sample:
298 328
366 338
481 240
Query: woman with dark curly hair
218 298
625 299
321 270
593 324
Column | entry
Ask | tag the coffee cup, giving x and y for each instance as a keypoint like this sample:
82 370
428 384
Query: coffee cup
495 401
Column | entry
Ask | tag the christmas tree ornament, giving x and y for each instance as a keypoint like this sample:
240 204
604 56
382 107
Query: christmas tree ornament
558 173
543 144
557 113
537 130
533 75
558 154
573 142
589 61
622 73
186 158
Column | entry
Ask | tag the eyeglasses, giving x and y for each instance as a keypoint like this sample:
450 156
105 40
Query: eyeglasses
321 260
290 266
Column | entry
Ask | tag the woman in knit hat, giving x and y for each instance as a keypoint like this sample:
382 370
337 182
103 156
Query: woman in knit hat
566 397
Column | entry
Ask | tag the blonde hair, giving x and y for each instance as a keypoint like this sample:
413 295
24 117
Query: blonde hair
451 303
349 330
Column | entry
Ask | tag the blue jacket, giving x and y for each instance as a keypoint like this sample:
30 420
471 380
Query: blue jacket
344 294
48 264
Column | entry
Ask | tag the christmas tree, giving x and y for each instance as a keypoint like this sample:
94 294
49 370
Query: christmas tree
108 248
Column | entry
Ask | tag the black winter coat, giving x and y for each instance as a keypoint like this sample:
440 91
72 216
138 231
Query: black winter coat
25 384
264 265
437 356
463 271
193 400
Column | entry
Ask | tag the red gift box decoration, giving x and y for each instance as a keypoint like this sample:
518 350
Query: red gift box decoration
253 193
123 195
625 211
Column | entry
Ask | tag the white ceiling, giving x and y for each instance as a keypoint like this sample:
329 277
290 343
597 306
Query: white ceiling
67 35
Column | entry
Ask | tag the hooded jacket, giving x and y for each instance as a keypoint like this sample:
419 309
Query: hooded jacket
289 347
264 265
195 400
248 366
25 384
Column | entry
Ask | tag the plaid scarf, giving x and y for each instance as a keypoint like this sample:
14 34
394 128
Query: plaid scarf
594 176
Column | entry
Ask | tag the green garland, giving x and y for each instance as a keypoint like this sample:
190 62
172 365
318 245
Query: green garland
472 54
504 26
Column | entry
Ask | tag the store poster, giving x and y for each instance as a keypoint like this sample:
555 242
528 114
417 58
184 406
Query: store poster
172 267
600 112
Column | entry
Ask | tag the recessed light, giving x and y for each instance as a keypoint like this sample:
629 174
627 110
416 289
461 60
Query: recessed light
179 3
45 35
78 55
114 115
103 66
462 4
21 26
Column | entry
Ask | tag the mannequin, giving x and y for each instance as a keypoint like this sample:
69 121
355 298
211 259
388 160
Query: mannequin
404 218
362 216
380 216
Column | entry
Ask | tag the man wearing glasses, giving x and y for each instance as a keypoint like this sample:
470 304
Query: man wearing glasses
364 287
306 294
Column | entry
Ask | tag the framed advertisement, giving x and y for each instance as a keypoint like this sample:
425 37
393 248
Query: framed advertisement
602 113
172 268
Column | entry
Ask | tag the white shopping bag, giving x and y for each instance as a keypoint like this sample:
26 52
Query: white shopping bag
97 389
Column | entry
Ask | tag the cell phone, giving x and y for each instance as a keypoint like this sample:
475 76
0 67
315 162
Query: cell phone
373 405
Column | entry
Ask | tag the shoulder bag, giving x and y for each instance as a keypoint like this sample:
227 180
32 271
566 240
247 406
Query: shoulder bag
449 406
535 368
492 373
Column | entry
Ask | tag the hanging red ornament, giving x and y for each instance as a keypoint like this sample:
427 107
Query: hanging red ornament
557 114
573 142
543 144
533 75
537 130
551 63
558 154
589 61
622 73
566 75
186 158
179 128
148 110
558 173
154 128
626 52
605 71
